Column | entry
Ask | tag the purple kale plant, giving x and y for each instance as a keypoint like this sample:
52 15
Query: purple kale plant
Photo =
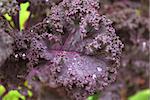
73 53
6 42
131 24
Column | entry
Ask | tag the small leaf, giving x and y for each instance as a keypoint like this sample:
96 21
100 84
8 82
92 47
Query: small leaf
14 95
141 95
9 19
23 14
94 97
30 94
2 90
26 84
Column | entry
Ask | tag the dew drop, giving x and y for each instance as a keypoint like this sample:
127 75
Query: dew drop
16 55
23 55
47 21
31 30
99 69
94 76
144 45
69 69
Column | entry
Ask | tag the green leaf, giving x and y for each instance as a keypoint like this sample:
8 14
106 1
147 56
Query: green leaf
24 14
9 19
2 90
94 97
30 94
141 95
13 95
26 84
